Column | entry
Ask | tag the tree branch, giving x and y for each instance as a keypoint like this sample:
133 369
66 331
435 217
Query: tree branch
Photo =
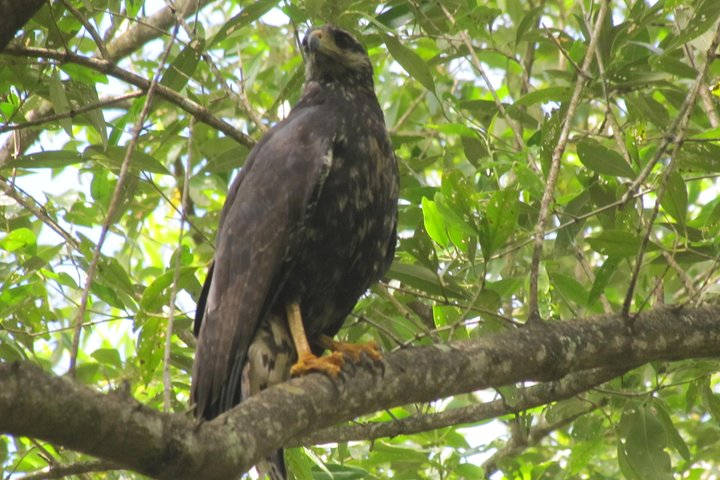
143 31
201 113
116 428
553 173
526 398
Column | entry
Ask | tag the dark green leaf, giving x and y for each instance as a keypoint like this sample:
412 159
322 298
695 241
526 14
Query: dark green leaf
47 159
528 22
704 156
499 221
60 101
617 243
157 294
545 95
602 277
603 160
113 157
645 107
410 61
705 15
644 442
570 288
675 200
248 15
423 279
149 347
182 68
662 413
109 356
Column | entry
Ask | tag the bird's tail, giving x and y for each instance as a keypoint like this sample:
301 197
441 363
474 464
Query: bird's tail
273 466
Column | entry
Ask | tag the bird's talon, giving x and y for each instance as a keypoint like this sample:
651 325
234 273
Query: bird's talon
356 352
331 365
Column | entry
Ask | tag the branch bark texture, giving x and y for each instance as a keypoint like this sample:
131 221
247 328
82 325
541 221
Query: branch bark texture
116 428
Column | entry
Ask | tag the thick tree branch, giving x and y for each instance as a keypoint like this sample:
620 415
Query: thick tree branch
118 429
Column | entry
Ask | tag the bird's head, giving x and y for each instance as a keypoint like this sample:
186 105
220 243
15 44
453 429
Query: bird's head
333 56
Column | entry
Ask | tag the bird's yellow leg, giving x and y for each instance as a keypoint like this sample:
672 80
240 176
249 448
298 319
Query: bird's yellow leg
307 362
352 350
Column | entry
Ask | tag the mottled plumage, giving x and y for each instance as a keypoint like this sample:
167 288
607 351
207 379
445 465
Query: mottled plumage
309 220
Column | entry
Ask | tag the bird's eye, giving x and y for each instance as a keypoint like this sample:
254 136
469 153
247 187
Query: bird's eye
343 40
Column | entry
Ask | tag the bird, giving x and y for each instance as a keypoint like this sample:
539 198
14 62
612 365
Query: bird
308 225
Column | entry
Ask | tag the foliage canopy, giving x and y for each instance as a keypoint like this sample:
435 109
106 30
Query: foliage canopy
559 160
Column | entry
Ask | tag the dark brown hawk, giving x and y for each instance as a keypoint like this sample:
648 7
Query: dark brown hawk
308 225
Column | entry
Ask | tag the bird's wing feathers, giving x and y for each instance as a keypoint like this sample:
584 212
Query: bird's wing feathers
265 211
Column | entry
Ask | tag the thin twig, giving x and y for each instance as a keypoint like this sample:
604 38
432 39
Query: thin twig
114 204
198 111
705 95
89 27
32 205
525 398
72 112
675 134
521 441
475 62
552 178
167 380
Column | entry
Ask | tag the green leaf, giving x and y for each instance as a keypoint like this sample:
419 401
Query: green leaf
570 288
704 16
87 95
663 415
710 400
19 239
643 442
703 156
423 279
675 200
434 222
149 347
410 61
182 68
646 108
545 95
333 471
582 455
474 150
113 157
59 101
157 294
603 160
47 159
673 66
602 277
528 22
101 189
226 161
498 221
299 463
248 15
111 274
617 243
109 356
